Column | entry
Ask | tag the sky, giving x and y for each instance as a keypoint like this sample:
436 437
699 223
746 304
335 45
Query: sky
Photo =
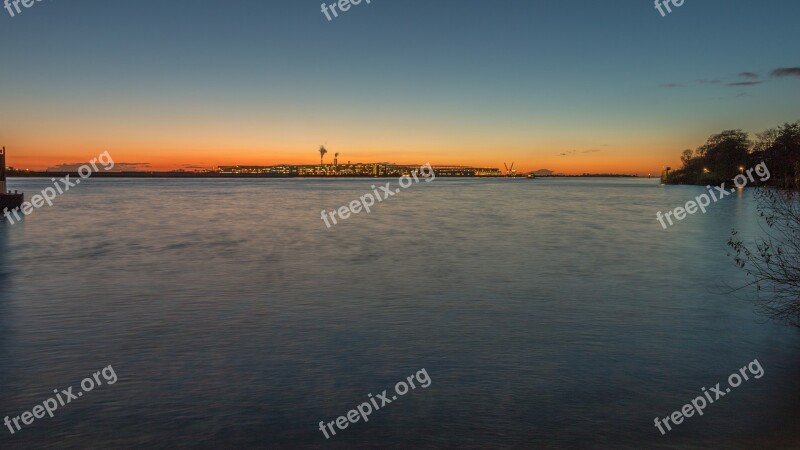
568 85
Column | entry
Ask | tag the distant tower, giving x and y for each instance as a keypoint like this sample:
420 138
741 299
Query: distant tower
336 159
3 189
665 175
7 199
322 152
510 172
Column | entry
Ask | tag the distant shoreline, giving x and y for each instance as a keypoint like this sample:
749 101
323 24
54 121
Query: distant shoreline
43 174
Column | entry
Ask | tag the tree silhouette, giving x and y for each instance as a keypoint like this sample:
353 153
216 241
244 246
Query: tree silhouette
772 263
724 155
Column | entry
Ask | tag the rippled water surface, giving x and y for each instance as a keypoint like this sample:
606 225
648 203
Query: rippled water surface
553 313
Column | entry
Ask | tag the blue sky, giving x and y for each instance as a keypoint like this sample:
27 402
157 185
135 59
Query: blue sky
549 83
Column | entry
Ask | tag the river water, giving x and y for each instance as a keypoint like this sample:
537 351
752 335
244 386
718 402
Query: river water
553 313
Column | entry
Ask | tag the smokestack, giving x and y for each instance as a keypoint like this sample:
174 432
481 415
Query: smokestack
3 171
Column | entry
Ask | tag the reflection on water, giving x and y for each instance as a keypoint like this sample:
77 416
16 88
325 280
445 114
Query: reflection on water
551 313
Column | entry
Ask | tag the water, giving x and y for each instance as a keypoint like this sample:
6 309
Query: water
553 313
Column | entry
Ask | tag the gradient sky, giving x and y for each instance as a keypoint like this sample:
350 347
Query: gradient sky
572 86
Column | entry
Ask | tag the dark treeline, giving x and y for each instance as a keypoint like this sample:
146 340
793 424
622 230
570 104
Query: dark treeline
731 152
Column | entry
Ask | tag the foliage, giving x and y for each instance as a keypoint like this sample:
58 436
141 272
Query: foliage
772 263
727 154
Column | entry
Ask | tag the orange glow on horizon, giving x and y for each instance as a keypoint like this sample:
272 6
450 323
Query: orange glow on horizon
623 165
200 140
618 161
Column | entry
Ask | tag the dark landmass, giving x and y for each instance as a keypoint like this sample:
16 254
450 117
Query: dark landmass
589 175
732 154
154 174
101 174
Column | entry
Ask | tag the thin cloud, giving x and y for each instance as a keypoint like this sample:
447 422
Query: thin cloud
118 167
582 152
752 78
744 83
786 72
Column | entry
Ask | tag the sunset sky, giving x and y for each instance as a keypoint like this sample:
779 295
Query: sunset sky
571 86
